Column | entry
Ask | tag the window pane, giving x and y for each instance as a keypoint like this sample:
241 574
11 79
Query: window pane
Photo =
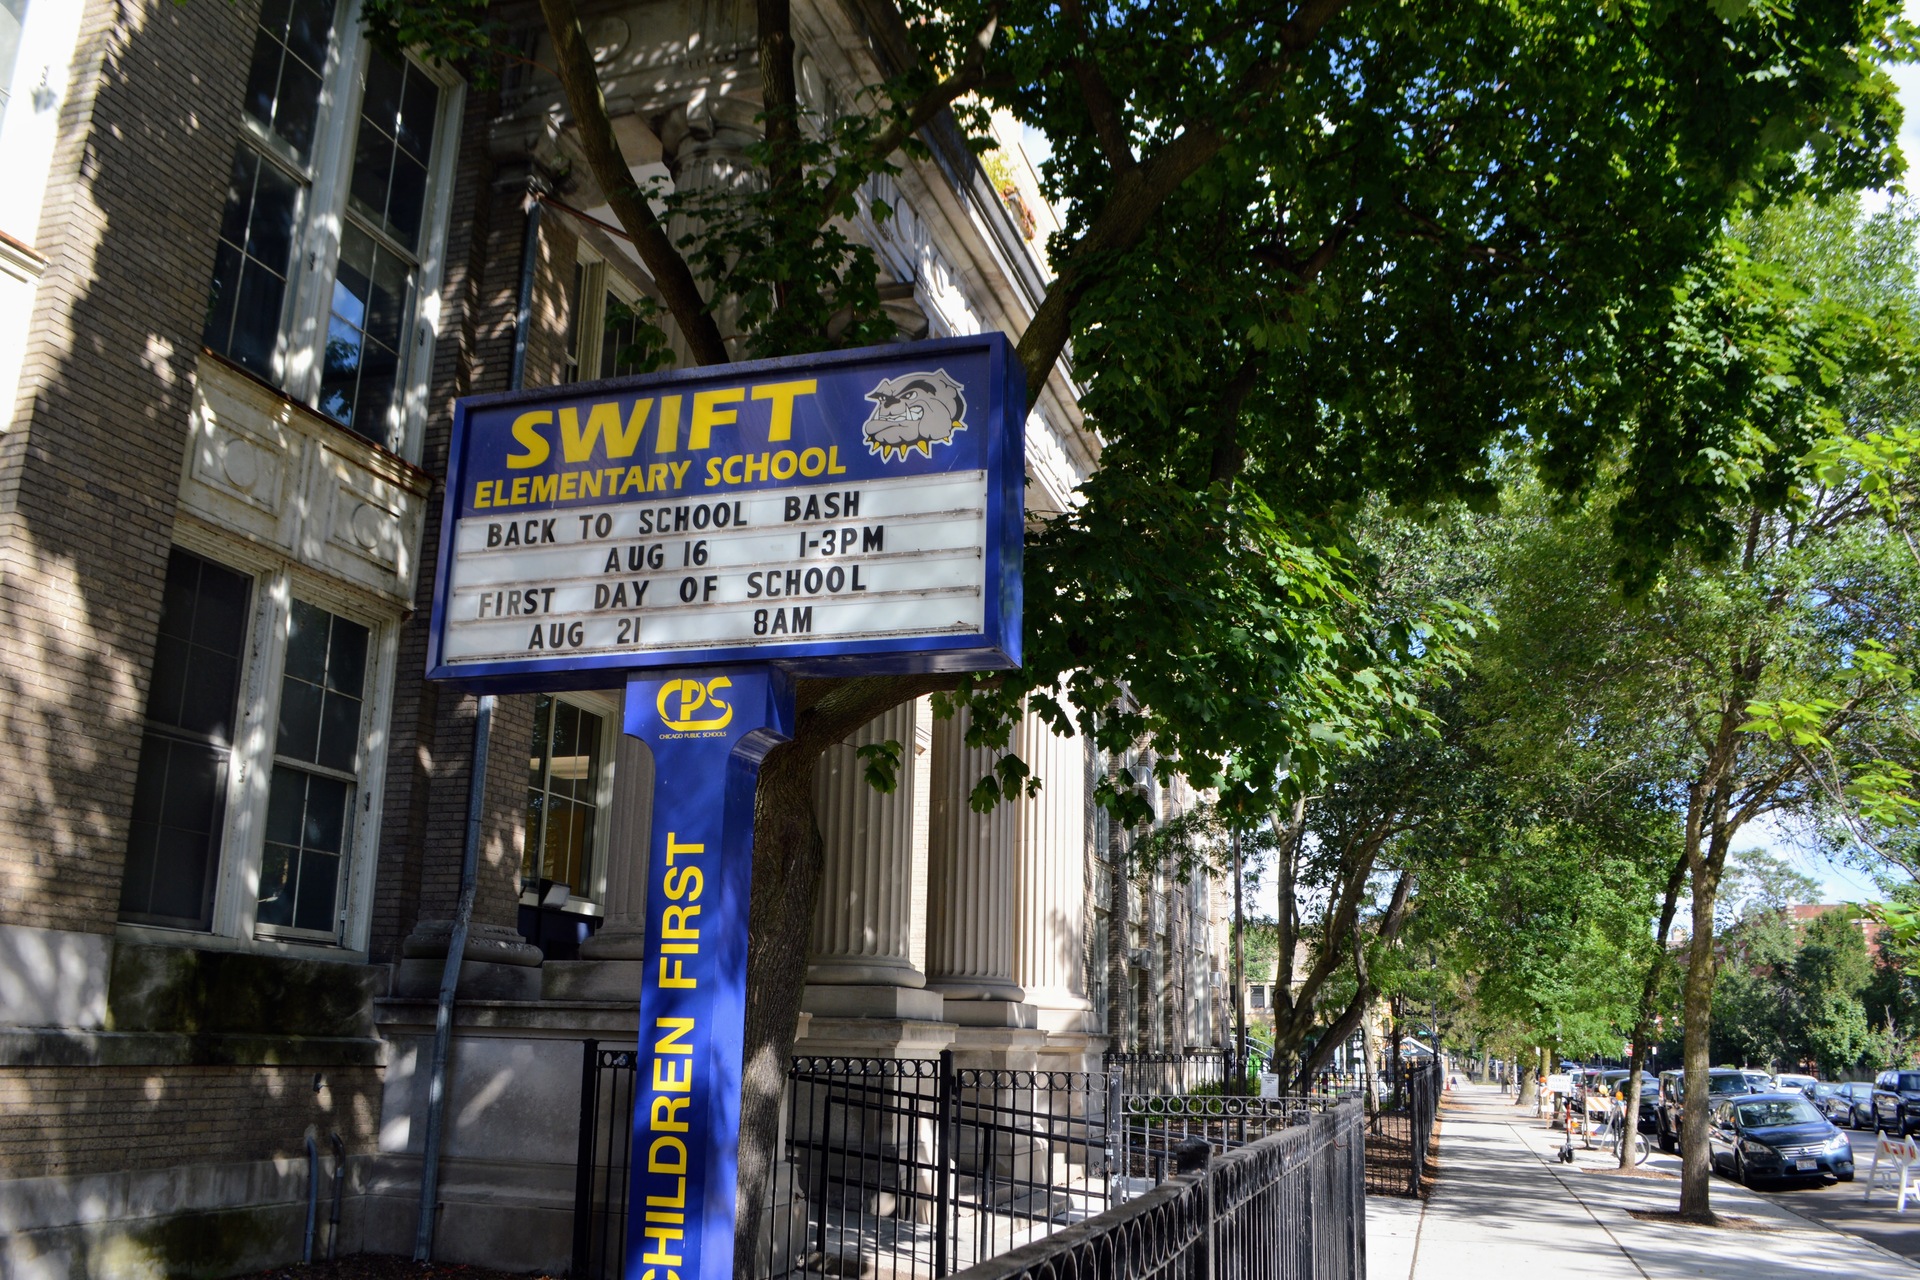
270 232
371 297
197 651
276 884
173 841
407 200
283 79
307 642
347 658
418 107
326 820
563 790
393 147
300 868
298 108
387 299
310 26
372 169
340 378
321 689
319 891
299 729
250 265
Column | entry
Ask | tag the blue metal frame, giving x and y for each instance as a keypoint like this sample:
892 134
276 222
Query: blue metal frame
996 646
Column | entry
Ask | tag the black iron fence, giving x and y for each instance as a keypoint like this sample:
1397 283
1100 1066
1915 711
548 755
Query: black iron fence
914 1166
1287 1206
919 1168
1399 1136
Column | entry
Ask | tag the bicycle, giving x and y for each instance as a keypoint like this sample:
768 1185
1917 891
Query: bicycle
1617 1134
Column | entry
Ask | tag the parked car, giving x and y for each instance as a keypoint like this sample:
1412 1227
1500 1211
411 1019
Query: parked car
1721 1082
1795 1084
1848 1105
1775 1136
1896 1102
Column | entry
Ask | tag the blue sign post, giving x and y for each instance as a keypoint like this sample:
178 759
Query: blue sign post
702 537
708 733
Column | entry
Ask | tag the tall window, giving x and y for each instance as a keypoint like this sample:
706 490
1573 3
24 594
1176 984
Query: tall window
13 16
361 308
248 804
315 772
564 777
180 797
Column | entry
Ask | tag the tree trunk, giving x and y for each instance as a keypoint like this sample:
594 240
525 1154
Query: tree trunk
1529 1083
1649 992
786 873
1706 819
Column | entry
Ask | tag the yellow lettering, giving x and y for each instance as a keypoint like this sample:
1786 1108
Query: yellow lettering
603 421
570 486
833 462
684 882
657 1251
673 1075
707 414
676 1028
679 979
636 479
657 477
545 488
678 1200
673 922
526 429
519 491
480 493
680 472
667 1123
780 425
669 425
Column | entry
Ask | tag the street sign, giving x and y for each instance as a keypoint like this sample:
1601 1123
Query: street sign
858 511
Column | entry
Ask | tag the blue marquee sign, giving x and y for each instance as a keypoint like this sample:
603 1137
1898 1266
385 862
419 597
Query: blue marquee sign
857 511
702 537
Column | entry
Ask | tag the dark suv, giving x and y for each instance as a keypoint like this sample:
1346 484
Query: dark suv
1896 1102
1721 1082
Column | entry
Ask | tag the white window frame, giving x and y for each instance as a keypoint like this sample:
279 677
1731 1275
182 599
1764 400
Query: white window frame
301 341
598 278
243 829
592 903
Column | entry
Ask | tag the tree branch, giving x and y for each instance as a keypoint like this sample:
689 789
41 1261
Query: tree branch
1140 191
581 83
1103 109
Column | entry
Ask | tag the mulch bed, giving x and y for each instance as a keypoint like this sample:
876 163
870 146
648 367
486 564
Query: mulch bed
1721 1221
388 1266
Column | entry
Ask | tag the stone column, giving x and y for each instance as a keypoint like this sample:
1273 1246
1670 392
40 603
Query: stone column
865 995
1050 891
970 890
863 915
622 933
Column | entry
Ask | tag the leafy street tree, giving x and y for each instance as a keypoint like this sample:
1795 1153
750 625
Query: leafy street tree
1766 667
1311 251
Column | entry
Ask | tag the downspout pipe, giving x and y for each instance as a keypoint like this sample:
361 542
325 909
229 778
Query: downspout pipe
449 981
339 1185
476 808
313 1197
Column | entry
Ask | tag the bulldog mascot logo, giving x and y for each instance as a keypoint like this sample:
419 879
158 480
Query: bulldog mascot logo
914 411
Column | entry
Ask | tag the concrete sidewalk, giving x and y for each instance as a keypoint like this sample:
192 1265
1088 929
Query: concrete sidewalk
1503 1209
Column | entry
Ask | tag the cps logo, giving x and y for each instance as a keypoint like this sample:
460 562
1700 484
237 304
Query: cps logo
681 701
